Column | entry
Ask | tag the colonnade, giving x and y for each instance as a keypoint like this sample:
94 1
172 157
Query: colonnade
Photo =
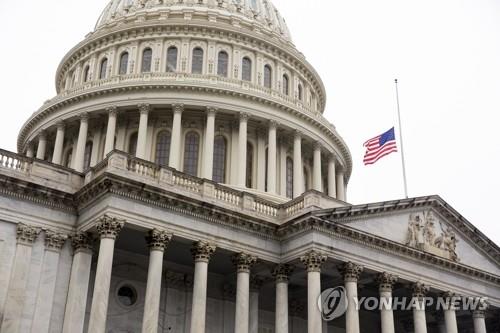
335 175
109 228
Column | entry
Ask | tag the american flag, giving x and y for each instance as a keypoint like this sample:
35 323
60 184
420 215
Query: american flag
380 146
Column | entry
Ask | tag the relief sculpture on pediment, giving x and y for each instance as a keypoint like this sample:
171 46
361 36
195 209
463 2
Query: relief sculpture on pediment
425 235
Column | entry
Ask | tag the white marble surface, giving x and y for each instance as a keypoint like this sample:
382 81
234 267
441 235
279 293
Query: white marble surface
281 325
254 312
62 288
352 314
314 320
450 319
7 253
152 302
386 313
199 304
419 320
241 324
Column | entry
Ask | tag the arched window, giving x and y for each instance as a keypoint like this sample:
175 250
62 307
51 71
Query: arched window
246 69
249 179
219 166
163 148
289 178
104 68
191 152
172 59
147 58
123 63
300 92
268 76
86 73
286 85
222 64
87 156
197 65
69 157
132 144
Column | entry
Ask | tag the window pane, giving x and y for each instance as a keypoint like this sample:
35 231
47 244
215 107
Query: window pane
222 64
123 63
104 66
172 59
286 85
132 144
246 66
191 150
87 156
219 166
289 178
249 165
197 66
163 148
147 56
267 76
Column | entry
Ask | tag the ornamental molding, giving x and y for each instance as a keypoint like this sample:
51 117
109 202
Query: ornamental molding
109 226
419 290
313 260
26 234
202 251
158 240
350 271
82 241
386 281
243 262
282 272
54 241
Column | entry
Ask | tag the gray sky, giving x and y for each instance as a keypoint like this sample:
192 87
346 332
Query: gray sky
445 53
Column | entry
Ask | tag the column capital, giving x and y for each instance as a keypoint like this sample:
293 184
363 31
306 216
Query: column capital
282 272
386 281
211 111
26 234
82 241
42 135
112 110
451 299
419 290
61 125
202 251
350 271
332 157
109 227
318 145
144 108
479 314
84 117
243 262
158 240
54 240
178 108
313 260
297 135
256 283
273 124
244 116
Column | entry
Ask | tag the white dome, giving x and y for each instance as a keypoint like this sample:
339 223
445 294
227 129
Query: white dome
262 12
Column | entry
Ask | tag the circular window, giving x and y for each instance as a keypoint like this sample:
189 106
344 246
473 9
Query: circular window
127 295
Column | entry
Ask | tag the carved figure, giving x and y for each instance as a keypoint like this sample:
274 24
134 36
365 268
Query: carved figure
414 231
430 229
448 242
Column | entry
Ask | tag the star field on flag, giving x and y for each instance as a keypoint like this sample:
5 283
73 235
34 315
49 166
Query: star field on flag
380 146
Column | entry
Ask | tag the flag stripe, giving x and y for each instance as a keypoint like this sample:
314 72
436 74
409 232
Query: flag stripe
383 155
380 155
380 146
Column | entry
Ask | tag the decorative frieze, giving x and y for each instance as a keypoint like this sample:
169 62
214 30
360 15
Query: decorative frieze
386 281
350 271
54 240
109 227
313 260
26 234
82 241
244 262
419 290
202 251
158 240
282 272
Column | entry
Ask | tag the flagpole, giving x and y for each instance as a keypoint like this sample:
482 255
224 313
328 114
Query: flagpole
401 140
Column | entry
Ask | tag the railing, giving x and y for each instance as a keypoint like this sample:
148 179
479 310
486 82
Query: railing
191 184
227 195
14 162
293 207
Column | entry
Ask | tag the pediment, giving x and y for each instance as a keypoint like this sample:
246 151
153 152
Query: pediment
433 228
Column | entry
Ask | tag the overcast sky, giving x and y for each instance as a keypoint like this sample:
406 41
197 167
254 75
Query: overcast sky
446 54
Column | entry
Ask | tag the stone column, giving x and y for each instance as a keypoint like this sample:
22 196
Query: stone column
175 143
16 293
341 186
281 273
30 151
313 261
42 145
208 152
76 303
317 168
59 144
202 252
255 285
450 317
478 317
54 242
386 281
351 273
419 320
332 181
157 242
298 169
243 263
242 150
143 131
108 229
82 141
271 158
261 160
109 145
